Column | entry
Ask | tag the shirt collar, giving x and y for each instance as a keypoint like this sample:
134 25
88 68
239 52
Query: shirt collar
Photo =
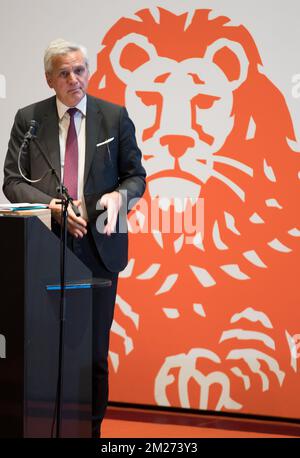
61 108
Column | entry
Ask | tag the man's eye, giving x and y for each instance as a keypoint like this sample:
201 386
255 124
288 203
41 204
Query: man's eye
204 101
64 74
79 71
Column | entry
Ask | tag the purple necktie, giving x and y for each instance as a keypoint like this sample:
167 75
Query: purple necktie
71 157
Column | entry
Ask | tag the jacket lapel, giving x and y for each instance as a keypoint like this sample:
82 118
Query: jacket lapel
48 136
95 132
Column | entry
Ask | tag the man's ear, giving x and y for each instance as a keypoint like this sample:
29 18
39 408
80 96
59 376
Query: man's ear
49 80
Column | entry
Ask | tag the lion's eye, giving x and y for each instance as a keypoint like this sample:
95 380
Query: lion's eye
204 101
149 98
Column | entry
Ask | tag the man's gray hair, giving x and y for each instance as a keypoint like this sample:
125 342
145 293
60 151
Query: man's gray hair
60 47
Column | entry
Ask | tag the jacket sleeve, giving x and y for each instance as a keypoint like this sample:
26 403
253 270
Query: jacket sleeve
132 174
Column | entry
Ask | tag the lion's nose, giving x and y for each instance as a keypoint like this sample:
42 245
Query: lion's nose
178 144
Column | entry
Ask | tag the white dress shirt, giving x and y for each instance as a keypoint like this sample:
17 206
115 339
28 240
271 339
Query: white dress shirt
80 122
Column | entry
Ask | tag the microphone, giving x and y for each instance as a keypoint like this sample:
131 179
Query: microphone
62 190
33 125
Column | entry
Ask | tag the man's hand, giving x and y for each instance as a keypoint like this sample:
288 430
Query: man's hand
76 225
112 202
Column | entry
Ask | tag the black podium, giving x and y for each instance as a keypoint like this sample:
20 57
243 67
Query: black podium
29 332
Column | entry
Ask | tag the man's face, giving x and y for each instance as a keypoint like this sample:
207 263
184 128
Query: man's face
69 77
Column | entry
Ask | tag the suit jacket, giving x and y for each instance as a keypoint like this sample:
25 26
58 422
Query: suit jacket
117 168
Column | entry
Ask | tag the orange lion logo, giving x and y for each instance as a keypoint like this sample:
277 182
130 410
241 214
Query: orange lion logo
210 317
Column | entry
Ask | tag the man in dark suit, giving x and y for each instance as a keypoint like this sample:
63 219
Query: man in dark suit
93 150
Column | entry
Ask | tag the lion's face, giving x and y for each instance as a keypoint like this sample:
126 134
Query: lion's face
182 112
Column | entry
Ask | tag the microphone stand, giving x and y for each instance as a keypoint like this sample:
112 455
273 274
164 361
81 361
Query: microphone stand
65 201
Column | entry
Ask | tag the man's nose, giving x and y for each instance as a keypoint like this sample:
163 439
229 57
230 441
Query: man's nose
177 144
72 77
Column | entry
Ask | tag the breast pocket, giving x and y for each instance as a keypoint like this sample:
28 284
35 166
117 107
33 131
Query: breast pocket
104 155
103 173
107 150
